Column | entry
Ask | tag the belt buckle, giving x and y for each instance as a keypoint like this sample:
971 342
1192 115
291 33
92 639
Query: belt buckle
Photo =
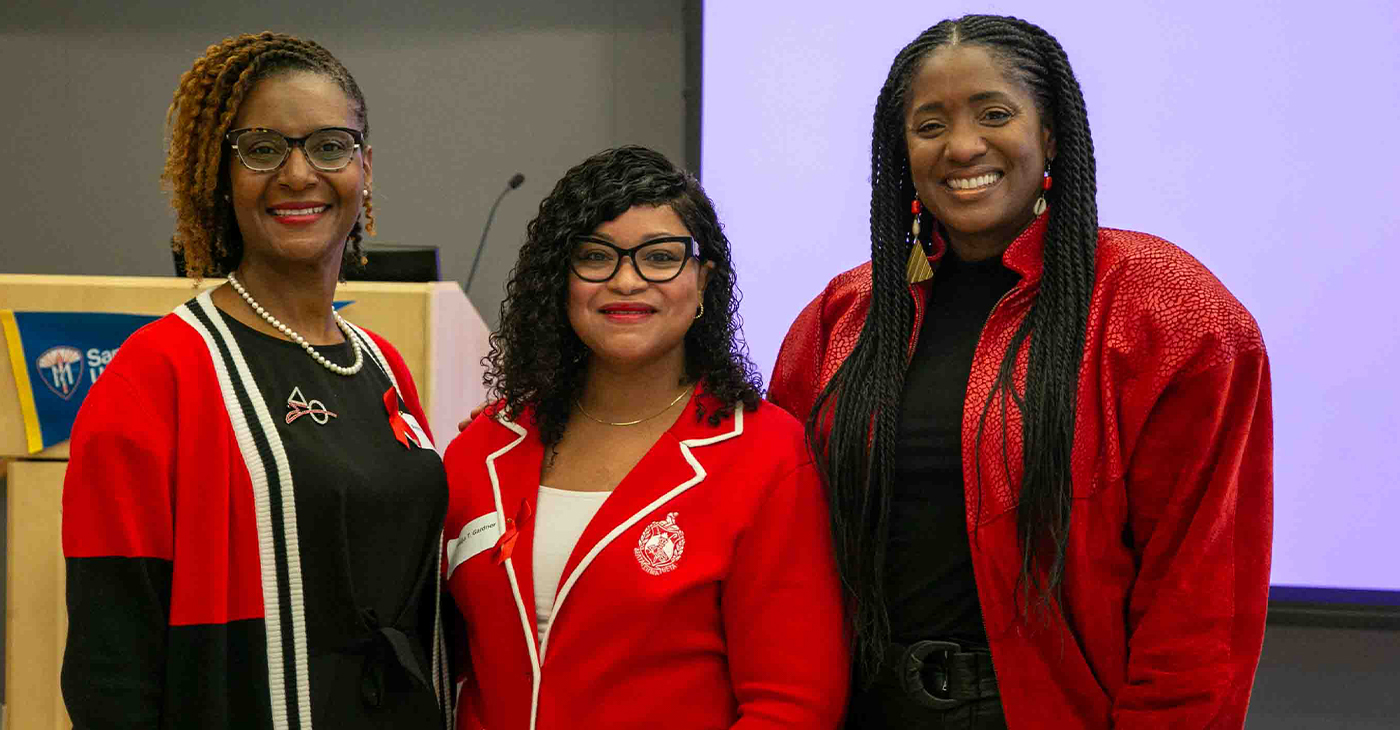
911 678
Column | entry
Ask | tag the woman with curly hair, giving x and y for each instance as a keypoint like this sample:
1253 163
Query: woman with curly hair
252 515
1048 444
634 535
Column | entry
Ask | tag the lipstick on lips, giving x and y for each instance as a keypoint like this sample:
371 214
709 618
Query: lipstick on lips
627 311
298 213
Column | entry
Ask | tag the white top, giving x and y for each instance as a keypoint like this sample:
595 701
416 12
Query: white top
560 517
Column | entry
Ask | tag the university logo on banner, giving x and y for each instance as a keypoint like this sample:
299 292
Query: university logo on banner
56 357
61 368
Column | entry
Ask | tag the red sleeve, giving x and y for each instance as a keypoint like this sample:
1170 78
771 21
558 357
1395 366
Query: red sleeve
454 624
794 385
782 613
117 489
117 542
458 461
455 632
1200 497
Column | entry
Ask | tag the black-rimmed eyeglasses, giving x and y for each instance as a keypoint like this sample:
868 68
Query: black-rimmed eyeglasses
658 260
264 150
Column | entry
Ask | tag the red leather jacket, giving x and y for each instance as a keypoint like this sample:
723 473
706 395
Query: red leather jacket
1167 572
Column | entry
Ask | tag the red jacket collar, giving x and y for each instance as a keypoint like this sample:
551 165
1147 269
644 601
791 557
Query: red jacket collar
674 464
515 453
1025 255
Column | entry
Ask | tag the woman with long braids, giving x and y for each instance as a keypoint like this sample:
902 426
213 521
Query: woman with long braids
636 539
1047 444
252 515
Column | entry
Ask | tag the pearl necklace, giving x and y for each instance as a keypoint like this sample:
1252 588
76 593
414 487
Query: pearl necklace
284 329
668 407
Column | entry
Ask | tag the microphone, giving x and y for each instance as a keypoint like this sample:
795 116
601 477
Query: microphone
514 182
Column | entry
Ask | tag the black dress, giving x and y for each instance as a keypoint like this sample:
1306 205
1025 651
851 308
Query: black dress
369 518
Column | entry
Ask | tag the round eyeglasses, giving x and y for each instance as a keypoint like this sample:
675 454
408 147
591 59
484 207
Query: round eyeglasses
264 150
658 260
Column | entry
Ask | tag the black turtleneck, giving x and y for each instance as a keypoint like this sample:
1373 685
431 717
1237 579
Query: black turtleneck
930 587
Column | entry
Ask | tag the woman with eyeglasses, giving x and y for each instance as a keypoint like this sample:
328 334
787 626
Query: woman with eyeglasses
252 514
634 536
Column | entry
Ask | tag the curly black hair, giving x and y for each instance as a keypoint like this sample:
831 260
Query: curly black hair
537 359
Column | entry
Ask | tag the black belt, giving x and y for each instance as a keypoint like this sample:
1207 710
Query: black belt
940 674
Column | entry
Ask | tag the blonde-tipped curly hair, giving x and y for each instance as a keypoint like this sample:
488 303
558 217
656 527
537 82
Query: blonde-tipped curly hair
196 166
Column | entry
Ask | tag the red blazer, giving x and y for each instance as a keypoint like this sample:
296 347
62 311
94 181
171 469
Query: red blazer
1170 532
703 594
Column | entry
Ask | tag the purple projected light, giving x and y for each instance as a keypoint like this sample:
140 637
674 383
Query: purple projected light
1260 139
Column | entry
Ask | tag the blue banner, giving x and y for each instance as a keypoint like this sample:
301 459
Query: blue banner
56 357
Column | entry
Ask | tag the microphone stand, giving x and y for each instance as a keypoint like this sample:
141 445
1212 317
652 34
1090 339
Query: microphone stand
512 184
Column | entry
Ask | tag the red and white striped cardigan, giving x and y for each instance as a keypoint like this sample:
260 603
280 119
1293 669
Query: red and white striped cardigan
178 509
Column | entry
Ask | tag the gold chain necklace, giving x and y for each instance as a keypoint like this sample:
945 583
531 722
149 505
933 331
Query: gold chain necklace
592 417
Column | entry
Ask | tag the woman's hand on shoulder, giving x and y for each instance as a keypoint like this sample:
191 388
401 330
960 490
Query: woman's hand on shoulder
462 425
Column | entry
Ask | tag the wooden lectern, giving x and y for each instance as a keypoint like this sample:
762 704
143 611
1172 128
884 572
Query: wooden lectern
439 333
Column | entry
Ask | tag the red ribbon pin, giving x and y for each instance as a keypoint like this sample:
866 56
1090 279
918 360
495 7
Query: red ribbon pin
402 432
505 545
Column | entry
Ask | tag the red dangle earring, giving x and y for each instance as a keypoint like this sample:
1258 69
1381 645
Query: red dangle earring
1040 204
917 269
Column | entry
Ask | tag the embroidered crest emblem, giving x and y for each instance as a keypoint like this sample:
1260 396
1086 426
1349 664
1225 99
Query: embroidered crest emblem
298 406
61 368
660 546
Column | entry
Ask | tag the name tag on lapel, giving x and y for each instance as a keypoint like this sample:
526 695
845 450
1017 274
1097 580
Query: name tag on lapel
413 425
476 537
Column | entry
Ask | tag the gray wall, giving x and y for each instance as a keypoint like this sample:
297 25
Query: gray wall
1327 679
460 98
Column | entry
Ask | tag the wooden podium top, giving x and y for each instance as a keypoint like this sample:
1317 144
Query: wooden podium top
439 333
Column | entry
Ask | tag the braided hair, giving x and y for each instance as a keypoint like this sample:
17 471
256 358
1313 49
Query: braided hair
537 359
854 424
196 166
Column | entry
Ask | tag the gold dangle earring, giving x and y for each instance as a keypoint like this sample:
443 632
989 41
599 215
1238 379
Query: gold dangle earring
917 270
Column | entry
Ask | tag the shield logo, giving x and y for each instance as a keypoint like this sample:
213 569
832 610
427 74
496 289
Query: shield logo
61 369
660 546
